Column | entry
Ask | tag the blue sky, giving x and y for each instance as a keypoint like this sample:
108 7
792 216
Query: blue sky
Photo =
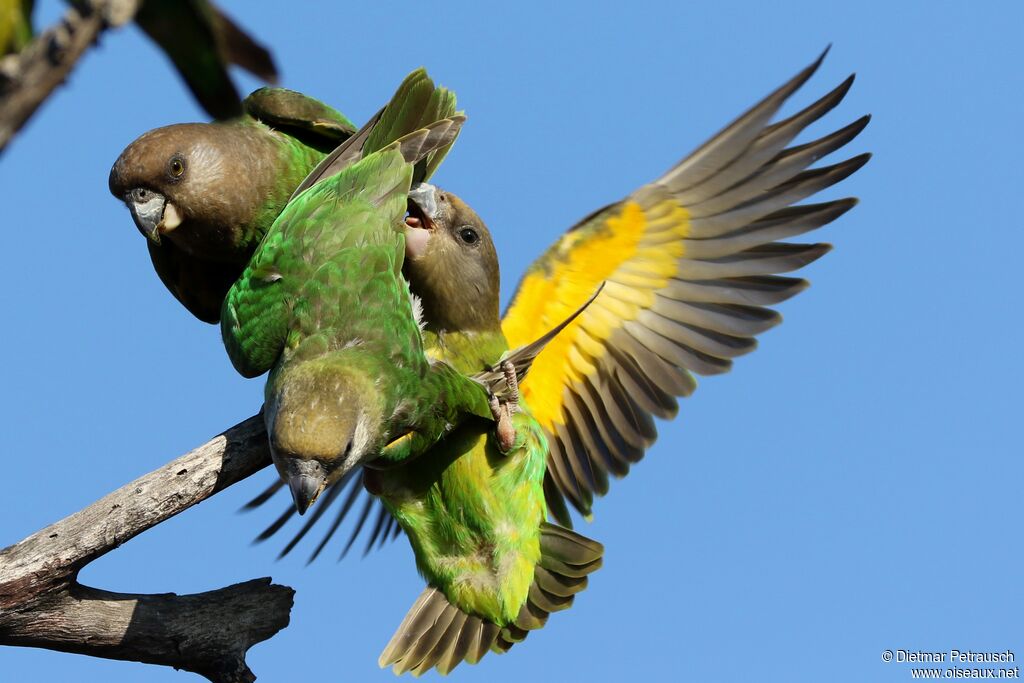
851 487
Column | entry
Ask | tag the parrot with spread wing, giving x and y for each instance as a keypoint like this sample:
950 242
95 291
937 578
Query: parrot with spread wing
183 183
324 306
692 262
473 506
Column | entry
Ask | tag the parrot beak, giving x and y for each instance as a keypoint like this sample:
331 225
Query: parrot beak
424 196
421 219
306 479
152 213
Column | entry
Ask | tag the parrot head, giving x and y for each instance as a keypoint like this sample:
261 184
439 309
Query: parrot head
323 420
450 261
181 182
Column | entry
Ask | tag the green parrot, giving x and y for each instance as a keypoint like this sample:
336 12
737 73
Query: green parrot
182 185
692 262
324 307
473 507
474 513
181 182
15 25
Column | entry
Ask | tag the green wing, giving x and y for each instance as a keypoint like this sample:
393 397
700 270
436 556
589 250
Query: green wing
304 118
257 314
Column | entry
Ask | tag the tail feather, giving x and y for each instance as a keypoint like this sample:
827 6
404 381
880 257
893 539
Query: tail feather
531 617
431 645
568 546
488 635
460 646
424 141
436 634
548 601
561 586
404 637
417 104
570 570
566 559
445 647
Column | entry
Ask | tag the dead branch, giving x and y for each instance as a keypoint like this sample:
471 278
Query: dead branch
43 605
28 78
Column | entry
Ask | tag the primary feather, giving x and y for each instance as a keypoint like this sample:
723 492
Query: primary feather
692 262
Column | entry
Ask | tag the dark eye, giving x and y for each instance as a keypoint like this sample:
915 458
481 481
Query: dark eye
468 235
176 166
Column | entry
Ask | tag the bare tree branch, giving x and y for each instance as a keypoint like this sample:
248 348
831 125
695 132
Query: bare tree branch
28 78
43 605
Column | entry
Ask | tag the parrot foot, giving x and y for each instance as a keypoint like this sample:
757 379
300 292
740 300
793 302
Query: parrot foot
502 410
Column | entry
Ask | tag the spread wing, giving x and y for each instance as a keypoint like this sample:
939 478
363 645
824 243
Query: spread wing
691 263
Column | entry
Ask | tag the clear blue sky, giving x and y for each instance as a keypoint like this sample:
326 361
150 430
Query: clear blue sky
851 487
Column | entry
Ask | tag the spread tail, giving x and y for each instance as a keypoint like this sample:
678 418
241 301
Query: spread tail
436 634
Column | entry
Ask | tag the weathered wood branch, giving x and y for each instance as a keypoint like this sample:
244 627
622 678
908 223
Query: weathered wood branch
43 605
28 78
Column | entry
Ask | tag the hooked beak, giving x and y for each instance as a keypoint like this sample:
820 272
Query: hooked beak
306 480
421 219
425 197
153 214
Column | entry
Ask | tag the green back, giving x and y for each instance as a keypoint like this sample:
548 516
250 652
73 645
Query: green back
343 227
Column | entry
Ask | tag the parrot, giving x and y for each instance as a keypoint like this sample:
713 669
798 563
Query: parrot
182 184
474 513
473 506
201 41
15 25
692 262
324 307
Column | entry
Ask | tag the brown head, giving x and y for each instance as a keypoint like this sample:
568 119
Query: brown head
451 262
200 185
324 418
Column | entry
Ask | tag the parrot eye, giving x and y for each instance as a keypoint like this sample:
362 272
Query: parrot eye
176 167
469 236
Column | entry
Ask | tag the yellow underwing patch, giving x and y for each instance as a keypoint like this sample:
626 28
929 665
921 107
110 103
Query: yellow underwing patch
635 252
